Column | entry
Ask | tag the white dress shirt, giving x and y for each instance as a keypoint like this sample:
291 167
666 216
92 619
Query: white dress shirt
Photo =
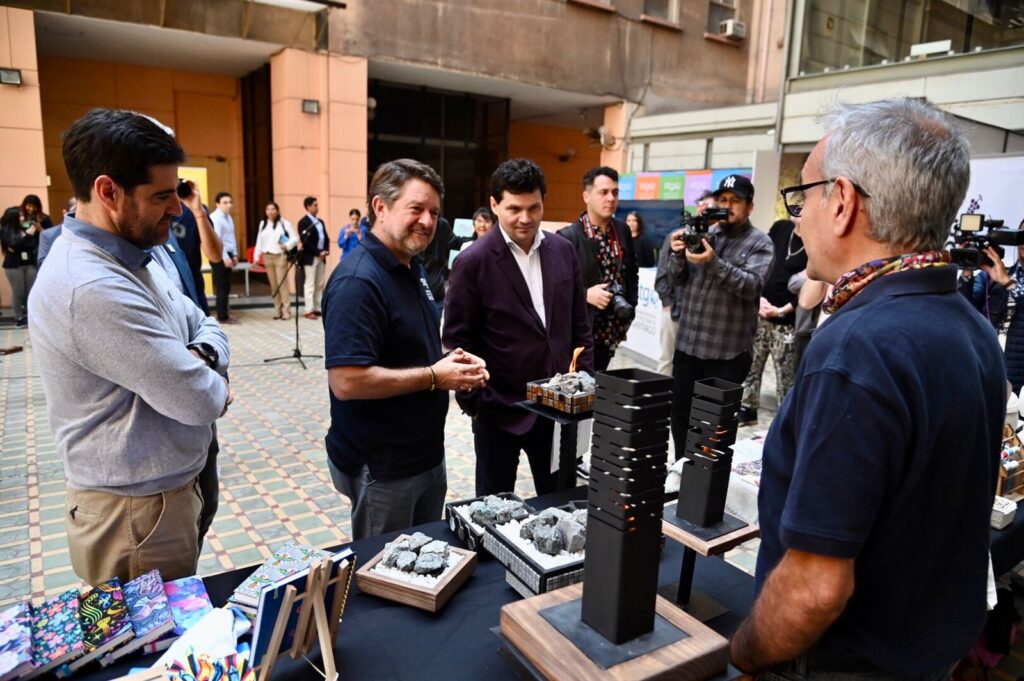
275 240
319 224
529 265
224 226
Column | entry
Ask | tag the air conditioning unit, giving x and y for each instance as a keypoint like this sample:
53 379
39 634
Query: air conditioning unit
733 29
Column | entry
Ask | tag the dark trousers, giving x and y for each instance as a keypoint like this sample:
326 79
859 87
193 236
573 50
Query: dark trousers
602 356
380 506
209 489
686 369
222 287
497 457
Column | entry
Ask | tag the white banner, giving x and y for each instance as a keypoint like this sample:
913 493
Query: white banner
994 189
645 333
994 192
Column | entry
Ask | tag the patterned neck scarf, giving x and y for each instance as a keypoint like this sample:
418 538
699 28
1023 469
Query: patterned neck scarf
608 329
854 281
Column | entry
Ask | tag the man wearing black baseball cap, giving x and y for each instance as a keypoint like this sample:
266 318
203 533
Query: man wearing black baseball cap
720 289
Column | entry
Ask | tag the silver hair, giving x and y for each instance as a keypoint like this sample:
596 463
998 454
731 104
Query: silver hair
910 158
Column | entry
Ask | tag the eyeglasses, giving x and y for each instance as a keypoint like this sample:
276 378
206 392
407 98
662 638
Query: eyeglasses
794 197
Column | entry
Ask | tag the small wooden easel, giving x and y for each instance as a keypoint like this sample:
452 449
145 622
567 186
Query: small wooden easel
315 611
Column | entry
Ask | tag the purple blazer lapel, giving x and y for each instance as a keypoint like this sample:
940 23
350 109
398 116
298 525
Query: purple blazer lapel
507 264
547 268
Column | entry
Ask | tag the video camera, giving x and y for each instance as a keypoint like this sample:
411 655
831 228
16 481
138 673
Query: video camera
698 225
969 253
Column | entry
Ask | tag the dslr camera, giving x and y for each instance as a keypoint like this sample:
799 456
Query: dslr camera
697 227
619 306
973 234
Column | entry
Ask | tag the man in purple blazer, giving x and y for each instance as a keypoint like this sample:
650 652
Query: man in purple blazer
516 299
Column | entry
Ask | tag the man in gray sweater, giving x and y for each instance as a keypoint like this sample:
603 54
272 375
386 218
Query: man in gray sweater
129 365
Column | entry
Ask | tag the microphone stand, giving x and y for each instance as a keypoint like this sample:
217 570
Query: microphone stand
297 350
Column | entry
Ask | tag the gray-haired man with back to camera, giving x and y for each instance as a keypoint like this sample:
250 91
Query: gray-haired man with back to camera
880 469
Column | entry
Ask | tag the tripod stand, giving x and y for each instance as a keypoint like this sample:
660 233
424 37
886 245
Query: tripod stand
297 351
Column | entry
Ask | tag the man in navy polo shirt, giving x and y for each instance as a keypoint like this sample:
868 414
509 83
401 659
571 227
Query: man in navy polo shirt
880 469
389 381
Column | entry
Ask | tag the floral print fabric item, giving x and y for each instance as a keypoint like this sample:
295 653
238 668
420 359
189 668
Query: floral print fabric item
854 281
608 330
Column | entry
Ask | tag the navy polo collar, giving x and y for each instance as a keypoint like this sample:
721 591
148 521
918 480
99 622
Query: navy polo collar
383 255
128 254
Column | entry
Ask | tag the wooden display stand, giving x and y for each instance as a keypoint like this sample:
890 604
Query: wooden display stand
699 605
317 620
700 655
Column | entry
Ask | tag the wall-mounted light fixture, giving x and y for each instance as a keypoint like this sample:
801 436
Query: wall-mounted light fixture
311 106
10 76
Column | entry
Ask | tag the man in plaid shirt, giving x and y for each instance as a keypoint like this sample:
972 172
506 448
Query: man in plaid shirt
719 296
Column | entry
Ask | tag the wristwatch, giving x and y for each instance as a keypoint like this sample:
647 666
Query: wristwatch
207 352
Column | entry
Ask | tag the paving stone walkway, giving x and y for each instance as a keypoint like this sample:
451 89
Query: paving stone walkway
274 479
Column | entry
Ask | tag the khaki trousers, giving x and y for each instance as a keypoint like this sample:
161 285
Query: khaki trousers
277 273
115 536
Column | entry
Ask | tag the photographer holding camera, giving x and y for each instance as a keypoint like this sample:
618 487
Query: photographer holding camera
604 247
720 275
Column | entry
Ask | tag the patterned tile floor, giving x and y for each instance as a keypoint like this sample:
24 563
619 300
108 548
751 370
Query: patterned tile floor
275 483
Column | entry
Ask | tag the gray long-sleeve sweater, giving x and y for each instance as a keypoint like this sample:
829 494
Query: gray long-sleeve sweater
130 407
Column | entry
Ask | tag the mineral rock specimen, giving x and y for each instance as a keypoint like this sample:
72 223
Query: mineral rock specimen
548 540
406 561
436 547
572 383
392 551
573 534
430 563
493 509
580 516
418 541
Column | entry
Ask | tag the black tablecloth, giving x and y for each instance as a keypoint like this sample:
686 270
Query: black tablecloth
379 639
1007 544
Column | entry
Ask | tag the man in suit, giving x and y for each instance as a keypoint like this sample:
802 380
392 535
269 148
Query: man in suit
315 246
517 301
604 247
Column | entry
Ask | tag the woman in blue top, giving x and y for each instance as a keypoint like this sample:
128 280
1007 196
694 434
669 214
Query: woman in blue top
353 233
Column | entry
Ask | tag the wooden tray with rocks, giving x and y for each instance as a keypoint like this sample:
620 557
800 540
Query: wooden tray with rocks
417 570
542 552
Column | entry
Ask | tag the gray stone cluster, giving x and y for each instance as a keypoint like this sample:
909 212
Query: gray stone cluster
492 509
554 530
418 553
575 383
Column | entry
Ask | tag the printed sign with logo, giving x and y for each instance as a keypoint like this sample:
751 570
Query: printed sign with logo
627 187
697 182
672 186
647 186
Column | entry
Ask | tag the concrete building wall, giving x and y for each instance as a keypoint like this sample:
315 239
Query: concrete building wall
544 144
558 44
322 155
22 164
204 110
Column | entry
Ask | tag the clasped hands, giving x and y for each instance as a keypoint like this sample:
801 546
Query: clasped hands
460 370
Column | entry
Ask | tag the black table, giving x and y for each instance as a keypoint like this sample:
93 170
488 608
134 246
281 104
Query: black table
379 639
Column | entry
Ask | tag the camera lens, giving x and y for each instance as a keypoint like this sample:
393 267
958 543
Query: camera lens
184 189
